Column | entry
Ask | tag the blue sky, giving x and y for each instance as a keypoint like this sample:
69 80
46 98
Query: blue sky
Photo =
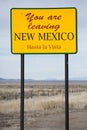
42 66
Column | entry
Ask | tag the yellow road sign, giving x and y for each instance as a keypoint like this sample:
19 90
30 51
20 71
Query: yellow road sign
43 30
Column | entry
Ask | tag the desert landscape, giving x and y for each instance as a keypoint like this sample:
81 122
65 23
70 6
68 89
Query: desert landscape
44 106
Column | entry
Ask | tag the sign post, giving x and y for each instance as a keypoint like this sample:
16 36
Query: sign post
22 94
44 31
66 94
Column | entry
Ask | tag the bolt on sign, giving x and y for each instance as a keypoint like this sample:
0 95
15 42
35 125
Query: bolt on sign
43 30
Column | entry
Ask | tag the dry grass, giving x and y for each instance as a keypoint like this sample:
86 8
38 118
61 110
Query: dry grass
77 101
43 98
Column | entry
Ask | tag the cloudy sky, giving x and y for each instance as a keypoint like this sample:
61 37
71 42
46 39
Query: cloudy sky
42 66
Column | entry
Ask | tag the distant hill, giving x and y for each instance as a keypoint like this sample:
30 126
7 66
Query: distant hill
5 81
30 81
1 79
38 82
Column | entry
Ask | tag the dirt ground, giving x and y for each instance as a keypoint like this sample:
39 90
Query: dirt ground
45 121
49 118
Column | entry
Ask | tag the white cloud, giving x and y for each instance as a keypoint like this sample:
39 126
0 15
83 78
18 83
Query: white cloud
42 66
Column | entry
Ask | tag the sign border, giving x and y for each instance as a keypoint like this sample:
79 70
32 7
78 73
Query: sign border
50 53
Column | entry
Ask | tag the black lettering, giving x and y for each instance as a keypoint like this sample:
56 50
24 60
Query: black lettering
17 36
40 36
54 37
70 36
30 36
62 35
48 36
23 37
58 36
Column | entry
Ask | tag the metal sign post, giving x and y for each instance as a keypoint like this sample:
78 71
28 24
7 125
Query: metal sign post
44 31
22 94
66 94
